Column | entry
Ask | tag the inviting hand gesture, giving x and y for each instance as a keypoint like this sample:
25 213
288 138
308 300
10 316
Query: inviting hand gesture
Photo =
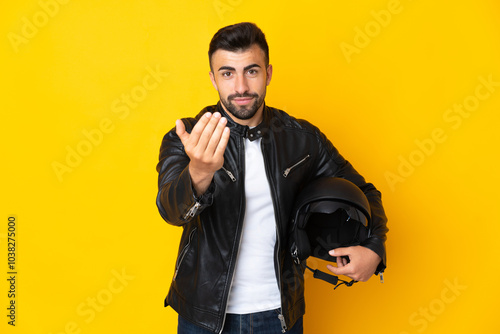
205 147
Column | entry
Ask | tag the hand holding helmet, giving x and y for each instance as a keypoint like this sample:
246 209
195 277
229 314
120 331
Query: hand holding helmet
334 214
361 265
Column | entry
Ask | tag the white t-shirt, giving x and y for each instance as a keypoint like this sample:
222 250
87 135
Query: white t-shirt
255 287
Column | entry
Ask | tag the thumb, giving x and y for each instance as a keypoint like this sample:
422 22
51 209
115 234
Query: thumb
180 129
338 270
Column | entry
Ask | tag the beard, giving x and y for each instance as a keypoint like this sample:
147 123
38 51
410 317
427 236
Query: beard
241 112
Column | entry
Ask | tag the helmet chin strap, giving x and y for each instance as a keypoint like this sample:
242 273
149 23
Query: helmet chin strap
330 278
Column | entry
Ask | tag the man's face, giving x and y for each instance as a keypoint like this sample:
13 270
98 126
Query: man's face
241 79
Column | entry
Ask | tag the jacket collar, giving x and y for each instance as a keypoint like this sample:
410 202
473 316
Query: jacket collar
244 130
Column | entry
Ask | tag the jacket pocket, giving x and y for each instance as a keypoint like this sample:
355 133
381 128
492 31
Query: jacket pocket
183 252
294 166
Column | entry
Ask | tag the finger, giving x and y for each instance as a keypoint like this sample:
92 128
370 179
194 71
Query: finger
223 142
208 133
341 251
180 129
341 261
345 270
216 136
198 129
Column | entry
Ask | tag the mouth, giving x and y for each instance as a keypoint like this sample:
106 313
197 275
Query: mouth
242 100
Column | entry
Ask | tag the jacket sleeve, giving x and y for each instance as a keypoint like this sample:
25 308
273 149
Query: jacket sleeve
176 200
330 160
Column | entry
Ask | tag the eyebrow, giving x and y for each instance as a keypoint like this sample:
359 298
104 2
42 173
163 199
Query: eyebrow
246 68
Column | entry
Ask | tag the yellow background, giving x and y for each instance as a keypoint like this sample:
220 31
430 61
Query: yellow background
67 74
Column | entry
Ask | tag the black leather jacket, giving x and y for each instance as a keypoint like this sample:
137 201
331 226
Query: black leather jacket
294 152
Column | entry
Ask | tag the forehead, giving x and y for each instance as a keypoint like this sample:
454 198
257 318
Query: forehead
252 55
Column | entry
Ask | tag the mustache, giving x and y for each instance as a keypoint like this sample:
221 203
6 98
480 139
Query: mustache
233 96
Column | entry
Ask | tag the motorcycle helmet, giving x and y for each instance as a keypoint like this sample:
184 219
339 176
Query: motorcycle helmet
330 212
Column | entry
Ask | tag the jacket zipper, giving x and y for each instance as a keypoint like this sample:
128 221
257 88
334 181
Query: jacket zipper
192 211
289 169
231 176
281 317
230 286
183 253
283 323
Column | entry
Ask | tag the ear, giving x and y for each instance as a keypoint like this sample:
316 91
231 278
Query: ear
269 72
212 78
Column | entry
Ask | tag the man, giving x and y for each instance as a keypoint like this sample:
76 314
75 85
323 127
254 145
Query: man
229 177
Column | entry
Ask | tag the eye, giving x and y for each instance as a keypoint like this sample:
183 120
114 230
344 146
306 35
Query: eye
252 72
226 74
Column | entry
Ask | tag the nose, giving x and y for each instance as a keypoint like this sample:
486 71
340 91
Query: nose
241 84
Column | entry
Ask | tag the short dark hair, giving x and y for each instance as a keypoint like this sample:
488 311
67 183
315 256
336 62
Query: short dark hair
238 37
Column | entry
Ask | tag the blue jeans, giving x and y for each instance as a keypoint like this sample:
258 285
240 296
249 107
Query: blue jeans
266 322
